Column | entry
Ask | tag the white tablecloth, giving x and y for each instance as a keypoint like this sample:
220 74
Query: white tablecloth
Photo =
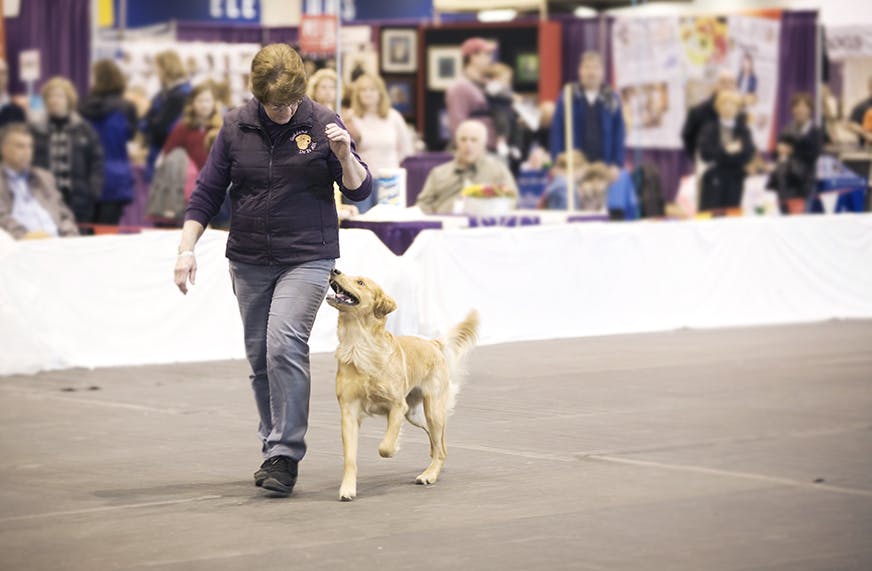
109 300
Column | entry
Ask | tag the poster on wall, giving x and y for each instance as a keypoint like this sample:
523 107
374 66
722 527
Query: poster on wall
664 66
650 78
226 64
753 57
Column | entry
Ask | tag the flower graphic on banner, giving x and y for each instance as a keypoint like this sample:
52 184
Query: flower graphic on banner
705 40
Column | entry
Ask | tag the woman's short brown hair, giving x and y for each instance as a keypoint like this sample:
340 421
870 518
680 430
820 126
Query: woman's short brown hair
64 85
278 76
108 79
384 100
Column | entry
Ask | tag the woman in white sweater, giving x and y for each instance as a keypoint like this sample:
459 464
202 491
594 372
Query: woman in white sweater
384 139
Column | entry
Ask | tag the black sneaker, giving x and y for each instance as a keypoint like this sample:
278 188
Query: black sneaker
261 473
281 475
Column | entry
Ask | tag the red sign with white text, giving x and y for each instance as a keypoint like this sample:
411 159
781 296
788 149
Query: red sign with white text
318 34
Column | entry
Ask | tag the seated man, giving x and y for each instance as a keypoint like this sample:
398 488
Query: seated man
471 165
31 206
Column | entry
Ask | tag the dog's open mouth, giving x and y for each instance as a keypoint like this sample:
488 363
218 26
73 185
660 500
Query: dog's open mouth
341 296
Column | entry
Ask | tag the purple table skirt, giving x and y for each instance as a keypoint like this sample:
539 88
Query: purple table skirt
588 218
397 236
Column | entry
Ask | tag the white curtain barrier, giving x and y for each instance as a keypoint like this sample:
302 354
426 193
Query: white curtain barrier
110 300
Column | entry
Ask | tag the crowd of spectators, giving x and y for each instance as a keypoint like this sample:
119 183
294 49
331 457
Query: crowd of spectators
71 167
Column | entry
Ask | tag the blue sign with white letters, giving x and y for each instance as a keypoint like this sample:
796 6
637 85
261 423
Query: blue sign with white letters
148 12
392 9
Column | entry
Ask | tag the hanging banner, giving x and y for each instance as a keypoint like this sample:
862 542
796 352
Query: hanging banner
650 77
848 41
664 66
141 14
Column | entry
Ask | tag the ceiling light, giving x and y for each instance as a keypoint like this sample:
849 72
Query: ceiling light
584 12
497 15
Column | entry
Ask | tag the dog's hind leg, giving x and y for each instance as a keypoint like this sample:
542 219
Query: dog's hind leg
350 431
388 446
415 414
436 411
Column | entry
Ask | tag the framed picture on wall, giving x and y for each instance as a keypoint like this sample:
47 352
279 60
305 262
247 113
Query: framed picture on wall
527 67
399 50
444 64
354 62
401 90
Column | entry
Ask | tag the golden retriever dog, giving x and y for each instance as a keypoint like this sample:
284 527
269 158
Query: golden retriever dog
380 374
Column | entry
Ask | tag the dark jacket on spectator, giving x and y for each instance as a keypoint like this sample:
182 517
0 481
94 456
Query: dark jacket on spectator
86 162
722 183
114 119
283 210
797 177
698 117
611 119
165 109
13 113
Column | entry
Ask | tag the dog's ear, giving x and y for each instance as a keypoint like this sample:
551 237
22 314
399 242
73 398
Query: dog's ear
384 304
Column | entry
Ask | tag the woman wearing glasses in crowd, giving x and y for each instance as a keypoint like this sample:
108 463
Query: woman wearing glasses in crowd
282 152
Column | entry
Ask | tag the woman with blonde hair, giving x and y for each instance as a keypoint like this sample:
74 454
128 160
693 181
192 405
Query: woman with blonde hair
282 152
727 148
321 87
385 139
166 107
70 148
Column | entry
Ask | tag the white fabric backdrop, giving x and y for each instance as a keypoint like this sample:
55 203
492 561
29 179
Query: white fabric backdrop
110 300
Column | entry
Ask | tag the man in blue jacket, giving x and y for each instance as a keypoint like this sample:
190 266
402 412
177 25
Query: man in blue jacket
597 118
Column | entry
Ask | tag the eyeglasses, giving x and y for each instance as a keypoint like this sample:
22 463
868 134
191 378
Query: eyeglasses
279 108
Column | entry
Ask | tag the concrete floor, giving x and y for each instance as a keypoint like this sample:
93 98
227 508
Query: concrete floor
694 450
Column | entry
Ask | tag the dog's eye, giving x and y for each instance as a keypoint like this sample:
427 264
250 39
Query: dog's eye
360 282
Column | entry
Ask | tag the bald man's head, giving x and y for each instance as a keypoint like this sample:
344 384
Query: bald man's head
470 140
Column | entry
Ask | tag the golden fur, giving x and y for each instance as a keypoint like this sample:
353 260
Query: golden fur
380 374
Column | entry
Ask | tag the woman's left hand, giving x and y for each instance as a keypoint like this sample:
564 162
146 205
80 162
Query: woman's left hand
340 141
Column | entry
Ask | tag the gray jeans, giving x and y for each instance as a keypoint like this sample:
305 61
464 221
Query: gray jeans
278 305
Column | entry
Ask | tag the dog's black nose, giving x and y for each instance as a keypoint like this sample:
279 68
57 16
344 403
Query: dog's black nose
335 272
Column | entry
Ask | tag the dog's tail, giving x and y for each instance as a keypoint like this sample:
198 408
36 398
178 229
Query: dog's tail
455 346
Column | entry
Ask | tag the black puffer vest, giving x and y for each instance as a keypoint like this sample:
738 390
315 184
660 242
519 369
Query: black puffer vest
283 211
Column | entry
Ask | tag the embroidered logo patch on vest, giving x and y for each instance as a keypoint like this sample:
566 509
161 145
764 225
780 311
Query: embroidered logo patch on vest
304 142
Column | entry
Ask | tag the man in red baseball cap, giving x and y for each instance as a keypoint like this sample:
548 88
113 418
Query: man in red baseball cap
465 98
474 46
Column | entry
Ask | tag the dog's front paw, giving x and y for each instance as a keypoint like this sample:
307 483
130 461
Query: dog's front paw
347 491
426 478
387 450
347 494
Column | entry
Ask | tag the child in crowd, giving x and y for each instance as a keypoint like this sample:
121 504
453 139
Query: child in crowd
591 183
501 102
598 188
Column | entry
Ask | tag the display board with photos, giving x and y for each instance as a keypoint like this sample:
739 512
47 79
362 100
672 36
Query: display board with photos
227 64
665 65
